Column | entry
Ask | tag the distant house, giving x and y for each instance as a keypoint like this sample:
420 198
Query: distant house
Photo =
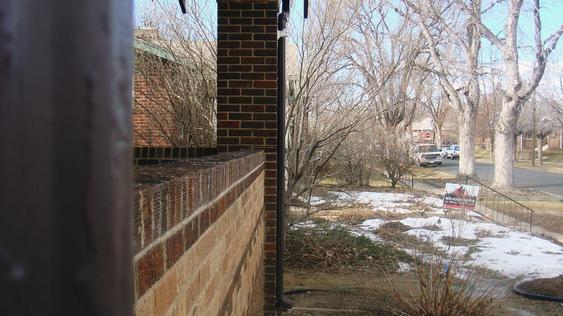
422 131
146 133
173 103
555 140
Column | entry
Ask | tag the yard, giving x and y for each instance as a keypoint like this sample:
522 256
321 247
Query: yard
415 224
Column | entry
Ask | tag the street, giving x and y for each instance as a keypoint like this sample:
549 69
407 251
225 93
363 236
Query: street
524 178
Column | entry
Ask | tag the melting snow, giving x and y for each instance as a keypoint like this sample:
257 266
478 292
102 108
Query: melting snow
400 203
509 252
315 200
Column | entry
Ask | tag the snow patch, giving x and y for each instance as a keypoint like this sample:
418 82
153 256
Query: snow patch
509 252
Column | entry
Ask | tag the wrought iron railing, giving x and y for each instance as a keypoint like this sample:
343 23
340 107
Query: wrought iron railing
407 180
501 208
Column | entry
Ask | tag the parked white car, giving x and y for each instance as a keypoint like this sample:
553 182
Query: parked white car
443 151
426 155
452 152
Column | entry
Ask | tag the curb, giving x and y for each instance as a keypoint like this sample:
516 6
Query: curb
532 296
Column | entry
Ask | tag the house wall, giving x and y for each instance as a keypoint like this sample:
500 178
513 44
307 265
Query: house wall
199 235
423 136
145 131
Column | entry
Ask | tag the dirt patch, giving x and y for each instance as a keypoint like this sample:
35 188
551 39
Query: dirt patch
548 214
453 241
394 226
374 294
393 232
348 215
370 293
345 215
550 287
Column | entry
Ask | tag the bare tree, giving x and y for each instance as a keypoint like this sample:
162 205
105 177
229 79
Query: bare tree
323 108
537 121
383 52
517 91
489 108
175 74
355 162
437 19
392 151
436 105
555 101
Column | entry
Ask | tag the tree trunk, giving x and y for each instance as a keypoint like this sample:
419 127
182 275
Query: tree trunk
491 143
515 148
540 150
504 147
467 143
438 136
561 138
534 135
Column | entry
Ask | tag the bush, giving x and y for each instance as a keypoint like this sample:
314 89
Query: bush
326 247
443 289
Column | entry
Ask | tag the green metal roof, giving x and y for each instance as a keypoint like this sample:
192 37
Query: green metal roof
153 49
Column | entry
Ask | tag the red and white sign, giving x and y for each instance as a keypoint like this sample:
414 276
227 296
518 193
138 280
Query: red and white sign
461 196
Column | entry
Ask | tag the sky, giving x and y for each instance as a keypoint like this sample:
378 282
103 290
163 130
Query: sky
551 13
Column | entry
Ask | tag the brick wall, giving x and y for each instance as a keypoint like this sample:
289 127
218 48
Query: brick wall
147 102
247 98
198 236
158 155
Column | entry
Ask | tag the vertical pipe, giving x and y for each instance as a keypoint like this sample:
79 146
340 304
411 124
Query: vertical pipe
280 214
65 134
281 301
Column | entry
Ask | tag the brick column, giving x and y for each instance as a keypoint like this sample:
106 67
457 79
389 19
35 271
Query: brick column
247 98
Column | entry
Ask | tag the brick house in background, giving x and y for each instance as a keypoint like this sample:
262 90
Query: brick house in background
422 131
145 131
165 125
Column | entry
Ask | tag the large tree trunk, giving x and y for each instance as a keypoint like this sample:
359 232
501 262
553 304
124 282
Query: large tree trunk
438 136
467 143
515 148
540 150
491 143
504 147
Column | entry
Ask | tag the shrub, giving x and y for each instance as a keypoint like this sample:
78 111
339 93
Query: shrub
444 289
329 247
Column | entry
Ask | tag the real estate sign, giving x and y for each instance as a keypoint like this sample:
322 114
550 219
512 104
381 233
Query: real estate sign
460 196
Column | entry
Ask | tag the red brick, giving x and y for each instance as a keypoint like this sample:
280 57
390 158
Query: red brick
149 269
174 248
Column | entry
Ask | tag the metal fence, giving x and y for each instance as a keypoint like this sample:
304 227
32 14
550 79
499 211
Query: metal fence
407 180
501 208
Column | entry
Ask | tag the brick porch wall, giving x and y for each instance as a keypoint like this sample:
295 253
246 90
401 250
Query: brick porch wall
198 236
247 98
